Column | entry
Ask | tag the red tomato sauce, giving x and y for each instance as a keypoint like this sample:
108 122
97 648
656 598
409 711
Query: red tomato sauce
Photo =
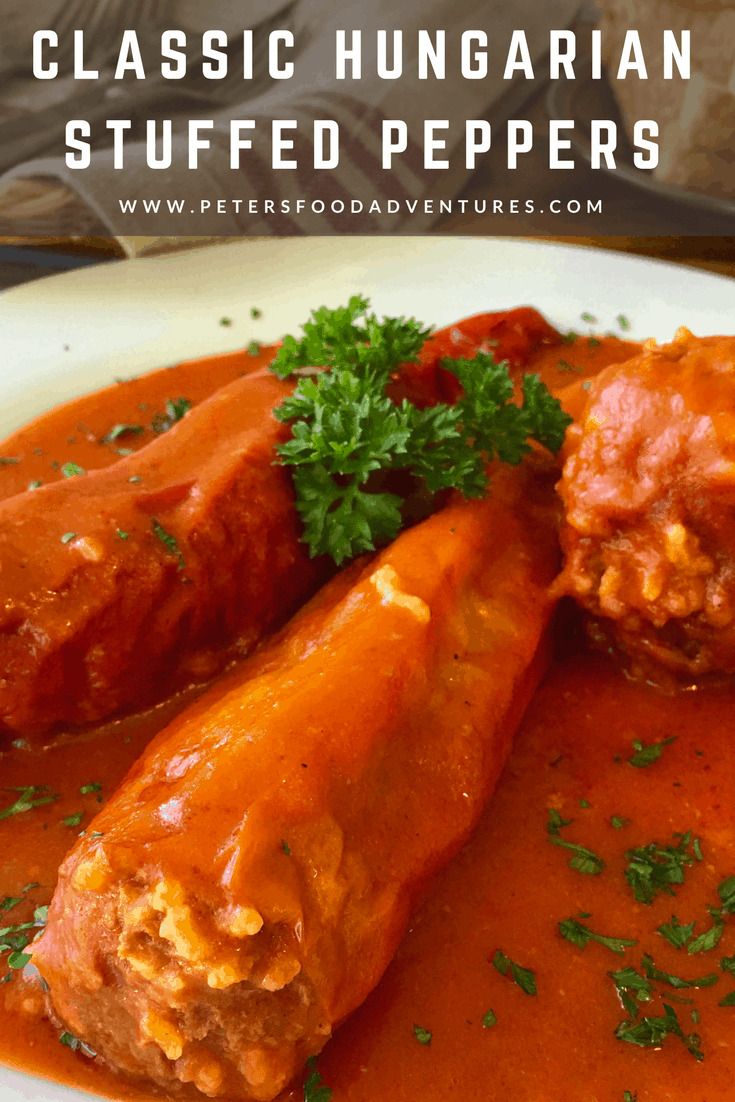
508 889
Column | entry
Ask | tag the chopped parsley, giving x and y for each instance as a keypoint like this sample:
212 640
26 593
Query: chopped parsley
285 847
74 1043
523 977
728 1000
315 1089
120 430
225 322
581 935
630 1096
175 409
726 892
489 1019
677 982
73 820
68 537
624 323
583 860
122 534
35 484
15 939
646 754
254 348
9 460
346 430
617 822
31 796
654 869
727 964
651 1032
255 313
423 1036
676 933
72 470
93 786
568 368
589 318
632 988
708 940
169 542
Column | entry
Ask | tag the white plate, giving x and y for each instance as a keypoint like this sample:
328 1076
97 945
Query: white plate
70 333
124 318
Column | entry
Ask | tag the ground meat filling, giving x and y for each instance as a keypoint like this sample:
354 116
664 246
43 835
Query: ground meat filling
649 496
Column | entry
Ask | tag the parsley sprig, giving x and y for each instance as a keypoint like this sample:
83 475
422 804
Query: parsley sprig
348 435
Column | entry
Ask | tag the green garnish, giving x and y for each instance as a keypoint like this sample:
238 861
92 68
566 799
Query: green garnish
646 754
729 1000
31 796
726 892
654 869
581 935
255 313
9 460
68 537
708 940
652 1032
589 318
169 542
489 1019
72 470
676 933
346 431
254 348
617 822
584 804
523 977
34 484
18 959
727 964
14 940
120 430
624 322
76 1045
121 534
93 786
583 860
175 409
593 342
285 847
570 337
225 322
632 988
9 902
630 1096
73 820
423 1036
677 982
315 1089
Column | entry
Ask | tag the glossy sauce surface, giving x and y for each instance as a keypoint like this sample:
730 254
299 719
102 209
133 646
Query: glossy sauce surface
507 890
